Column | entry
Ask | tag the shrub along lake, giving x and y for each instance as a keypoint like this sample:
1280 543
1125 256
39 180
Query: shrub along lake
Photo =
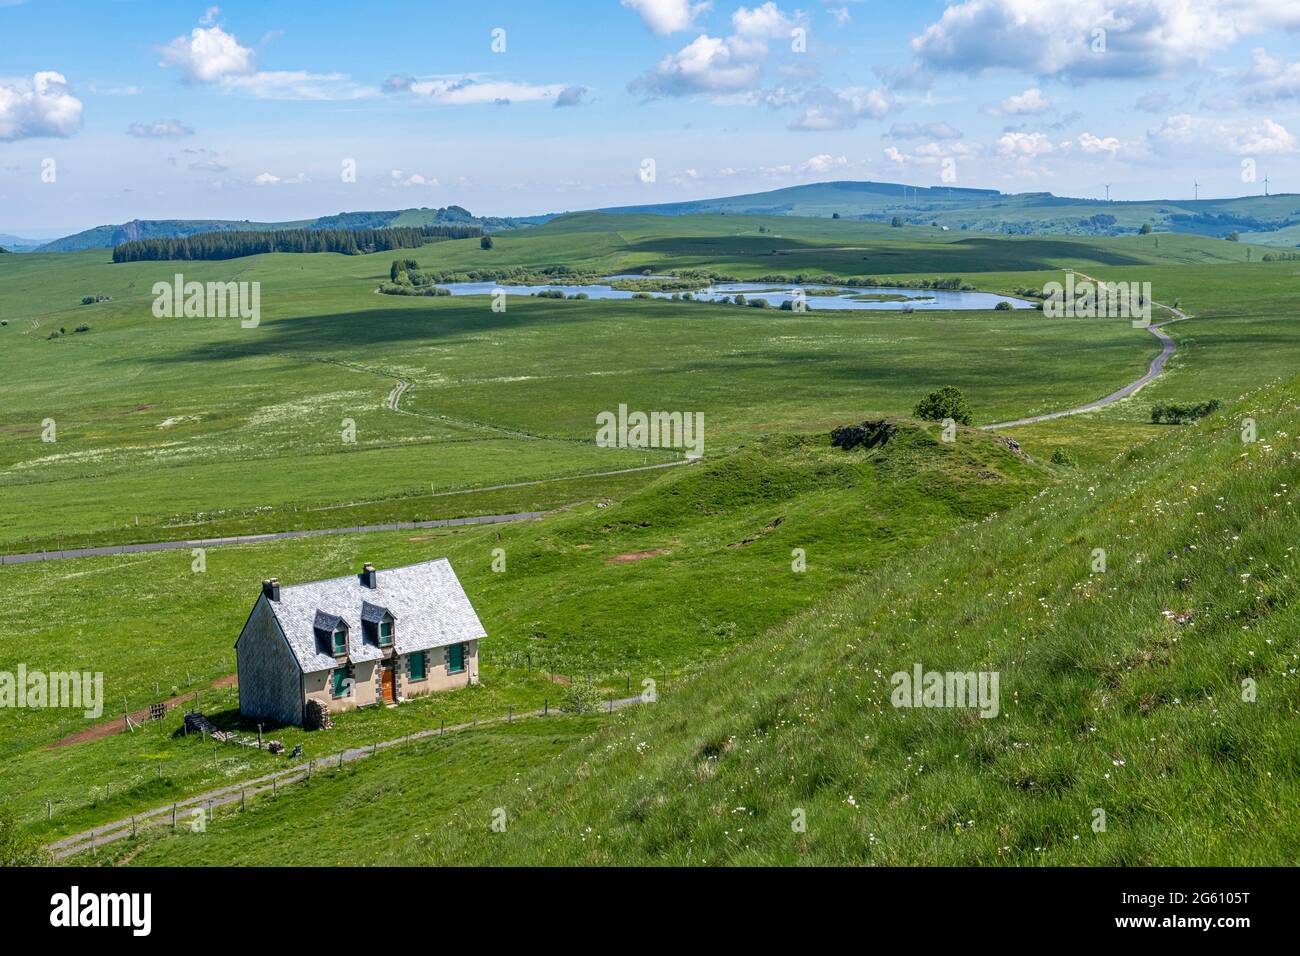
817 296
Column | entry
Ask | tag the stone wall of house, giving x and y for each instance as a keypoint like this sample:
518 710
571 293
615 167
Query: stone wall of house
270 688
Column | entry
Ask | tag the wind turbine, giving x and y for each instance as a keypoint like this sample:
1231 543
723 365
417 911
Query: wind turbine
1265 185
1107 185
1196 187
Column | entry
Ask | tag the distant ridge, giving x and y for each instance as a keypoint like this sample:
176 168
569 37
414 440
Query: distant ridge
1268 220
1273 220
106 237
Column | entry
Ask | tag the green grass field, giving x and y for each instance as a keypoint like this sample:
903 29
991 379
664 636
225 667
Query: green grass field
958 554
188 428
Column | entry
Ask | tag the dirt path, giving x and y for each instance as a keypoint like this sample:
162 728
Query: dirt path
1168 347
182 812
108 728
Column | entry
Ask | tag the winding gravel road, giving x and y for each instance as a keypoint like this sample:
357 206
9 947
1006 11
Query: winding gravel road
1157 366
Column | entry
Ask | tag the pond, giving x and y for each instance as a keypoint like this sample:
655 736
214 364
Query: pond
817 296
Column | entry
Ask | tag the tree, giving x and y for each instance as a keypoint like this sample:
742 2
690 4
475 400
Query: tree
835 215
896 222
1233 237
1145 230
946 402
485 242
1003 306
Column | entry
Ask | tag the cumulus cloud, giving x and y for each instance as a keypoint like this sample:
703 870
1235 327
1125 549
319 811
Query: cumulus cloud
841 109
1047 37
41 106
571 96
1029 102
1243 138
399 178
667 16
1097 144
823 163
211 56
266 179
159 129
1271 79
719 65
1013 145
208 54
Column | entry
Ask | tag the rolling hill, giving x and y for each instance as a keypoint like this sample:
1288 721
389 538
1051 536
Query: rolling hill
105 237
987 210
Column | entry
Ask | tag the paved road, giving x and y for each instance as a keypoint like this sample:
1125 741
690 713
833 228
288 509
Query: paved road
1157 366
316 532
183 812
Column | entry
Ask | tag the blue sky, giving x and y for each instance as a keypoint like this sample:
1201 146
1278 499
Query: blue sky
120 109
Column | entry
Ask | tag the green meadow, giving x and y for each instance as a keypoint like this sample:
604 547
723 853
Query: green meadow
770 589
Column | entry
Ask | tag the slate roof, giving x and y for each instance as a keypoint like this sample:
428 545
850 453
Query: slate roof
426 601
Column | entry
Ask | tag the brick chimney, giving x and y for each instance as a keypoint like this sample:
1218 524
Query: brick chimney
368 576
271 588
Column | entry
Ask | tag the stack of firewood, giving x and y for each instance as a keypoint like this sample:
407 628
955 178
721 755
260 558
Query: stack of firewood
317 716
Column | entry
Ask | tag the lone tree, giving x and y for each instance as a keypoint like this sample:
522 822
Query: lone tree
1145 230
896 222
485 242
946 402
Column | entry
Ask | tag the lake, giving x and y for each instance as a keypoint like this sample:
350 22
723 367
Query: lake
774 293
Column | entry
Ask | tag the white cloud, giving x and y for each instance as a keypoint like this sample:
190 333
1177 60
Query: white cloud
470 89
1023 145
667 16
1097 144
207 55
823 163
1243 138
841 109
1047 37
1029 102
720 65
1271 79
41 106
296 85
841 15
705 65
159 129
415 179
266 179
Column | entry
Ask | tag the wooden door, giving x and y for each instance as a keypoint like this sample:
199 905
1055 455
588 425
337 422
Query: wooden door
386 678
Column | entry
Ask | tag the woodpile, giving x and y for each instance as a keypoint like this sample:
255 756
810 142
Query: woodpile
316 716
275 746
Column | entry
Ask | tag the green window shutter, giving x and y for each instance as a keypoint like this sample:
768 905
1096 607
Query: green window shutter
385 633
340 641
455 658
417 666
340 682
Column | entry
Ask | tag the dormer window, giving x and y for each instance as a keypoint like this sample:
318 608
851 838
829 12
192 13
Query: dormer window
341 640
377 624
385 633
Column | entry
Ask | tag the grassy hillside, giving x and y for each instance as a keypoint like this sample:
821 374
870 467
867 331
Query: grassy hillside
643 587
1121 691
105 237
1267 218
